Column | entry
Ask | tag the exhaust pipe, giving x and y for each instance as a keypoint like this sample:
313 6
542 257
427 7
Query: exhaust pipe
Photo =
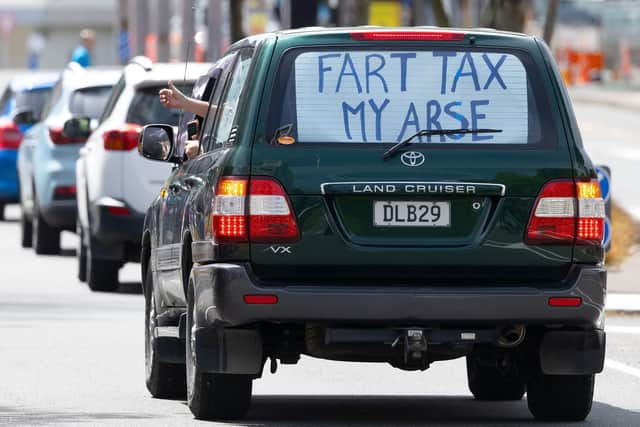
511 336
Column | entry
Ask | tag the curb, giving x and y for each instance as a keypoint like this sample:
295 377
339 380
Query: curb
623 303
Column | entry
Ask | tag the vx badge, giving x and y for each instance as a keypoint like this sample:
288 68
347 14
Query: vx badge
412 158
279 250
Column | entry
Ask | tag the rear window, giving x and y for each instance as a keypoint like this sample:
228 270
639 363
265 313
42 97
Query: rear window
386 95
32 100
89 102
146 107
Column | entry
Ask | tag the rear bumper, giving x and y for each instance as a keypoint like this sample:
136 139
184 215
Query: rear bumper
220 291
116 229
60 214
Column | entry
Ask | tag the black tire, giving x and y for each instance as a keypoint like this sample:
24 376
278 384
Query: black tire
46 239
213 396
26 231
560 397
2 212
490 383
81 255
102 275
163 380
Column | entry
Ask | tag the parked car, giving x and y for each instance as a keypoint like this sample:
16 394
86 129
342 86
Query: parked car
20 105
47 156
111 205
402 196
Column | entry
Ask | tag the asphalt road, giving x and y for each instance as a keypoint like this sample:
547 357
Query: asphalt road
70 356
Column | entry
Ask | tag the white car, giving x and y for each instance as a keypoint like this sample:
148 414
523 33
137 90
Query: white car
115 185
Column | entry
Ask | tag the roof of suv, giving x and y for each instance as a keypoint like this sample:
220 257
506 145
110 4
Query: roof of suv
34 81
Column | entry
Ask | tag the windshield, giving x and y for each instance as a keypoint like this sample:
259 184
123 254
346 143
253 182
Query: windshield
385 96
32 100
146 107
89 102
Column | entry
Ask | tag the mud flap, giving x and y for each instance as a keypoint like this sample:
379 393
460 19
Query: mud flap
229 351
572 352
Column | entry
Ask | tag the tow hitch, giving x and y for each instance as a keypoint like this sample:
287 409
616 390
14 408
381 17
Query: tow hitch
413 344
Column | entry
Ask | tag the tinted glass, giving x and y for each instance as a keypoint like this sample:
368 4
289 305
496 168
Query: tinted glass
89 102
33 100
146 107
228 110
386 95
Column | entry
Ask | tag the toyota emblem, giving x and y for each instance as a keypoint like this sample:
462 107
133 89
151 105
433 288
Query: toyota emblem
412 158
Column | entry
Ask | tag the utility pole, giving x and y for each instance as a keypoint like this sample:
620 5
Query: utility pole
214 30
162 29
138 26
188 30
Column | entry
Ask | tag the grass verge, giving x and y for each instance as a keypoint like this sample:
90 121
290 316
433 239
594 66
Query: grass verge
624 235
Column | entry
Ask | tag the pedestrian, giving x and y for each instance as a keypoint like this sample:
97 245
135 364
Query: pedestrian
172 97
82 53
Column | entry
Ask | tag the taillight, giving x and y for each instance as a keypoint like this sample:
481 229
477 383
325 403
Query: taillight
64 192
254 210
58 137
122 139
10 135
567 212
407 36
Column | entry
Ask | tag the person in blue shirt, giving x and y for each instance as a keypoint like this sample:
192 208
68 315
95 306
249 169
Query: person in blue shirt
82 53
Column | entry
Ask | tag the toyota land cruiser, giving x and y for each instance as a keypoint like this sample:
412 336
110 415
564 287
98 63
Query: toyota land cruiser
402 196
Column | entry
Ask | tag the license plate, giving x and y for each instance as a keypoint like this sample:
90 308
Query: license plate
412 214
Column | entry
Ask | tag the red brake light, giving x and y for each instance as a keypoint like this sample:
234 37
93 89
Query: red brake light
123 139
260 299
565 301
407 35
10 135
567 212
118 210
58 137
256 210
65 191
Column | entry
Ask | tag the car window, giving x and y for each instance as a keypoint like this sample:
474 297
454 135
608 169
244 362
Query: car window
89 102
56 93
385 95
210 119
203 90
5 102
228 108
33 100
146 108
113 99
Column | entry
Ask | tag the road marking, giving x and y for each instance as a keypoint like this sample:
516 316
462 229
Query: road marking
633 330
629 370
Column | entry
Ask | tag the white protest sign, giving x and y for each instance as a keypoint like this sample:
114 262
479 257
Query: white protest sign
385 96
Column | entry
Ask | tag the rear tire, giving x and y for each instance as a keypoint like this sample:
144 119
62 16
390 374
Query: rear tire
490 383
163 380
212 396
46 239
81 255
102 275
2 211
26 231
560 397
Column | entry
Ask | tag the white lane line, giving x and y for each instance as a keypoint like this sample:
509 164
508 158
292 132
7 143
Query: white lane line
633 330
629 370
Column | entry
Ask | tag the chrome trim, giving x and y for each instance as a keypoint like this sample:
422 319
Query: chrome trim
502 187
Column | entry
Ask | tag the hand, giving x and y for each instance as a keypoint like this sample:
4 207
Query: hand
191 149
171 97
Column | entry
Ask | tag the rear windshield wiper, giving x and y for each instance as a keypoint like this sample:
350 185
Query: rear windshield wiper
425 132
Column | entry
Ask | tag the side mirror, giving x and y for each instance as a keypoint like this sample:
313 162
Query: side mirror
77 128
156 143
24 117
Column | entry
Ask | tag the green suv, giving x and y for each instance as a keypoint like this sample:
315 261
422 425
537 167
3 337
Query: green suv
402 196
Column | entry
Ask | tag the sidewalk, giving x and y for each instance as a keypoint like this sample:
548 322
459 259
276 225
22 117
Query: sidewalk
613 96
623 286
